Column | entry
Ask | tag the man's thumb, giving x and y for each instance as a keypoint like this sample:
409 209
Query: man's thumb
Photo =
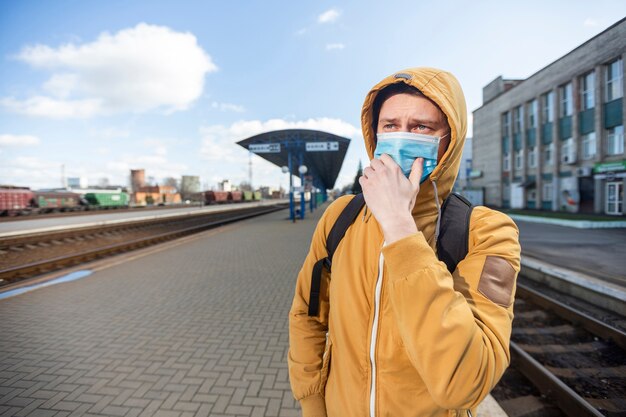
416 172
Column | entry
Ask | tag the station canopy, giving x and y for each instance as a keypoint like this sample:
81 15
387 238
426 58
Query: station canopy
323 160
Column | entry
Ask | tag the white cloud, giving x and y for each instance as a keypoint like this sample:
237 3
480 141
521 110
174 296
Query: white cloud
56 109
329 16
18 140
591 23
137 69
110 133
228 107
335 46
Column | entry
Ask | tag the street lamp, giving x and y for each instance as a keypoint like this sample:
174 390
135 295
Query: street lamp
302 169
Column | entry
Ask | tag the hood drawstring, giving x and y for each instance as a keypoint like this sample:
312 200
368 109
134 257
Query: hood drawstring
438 211
364 213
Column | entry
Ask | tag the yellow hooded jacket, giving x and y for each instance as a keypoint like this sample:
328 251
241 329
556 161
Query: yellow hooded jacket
397 334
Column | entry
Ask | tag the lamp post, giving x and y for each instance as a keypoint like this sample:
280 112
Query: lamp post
302 169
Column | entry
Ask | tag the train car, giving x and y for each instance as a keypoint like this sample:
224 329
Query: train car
217 197
257 196
106 199
15 200
248 196
236 196
51 201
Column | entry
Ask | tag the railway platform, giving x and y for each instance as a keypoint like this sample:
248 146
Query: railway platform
194 327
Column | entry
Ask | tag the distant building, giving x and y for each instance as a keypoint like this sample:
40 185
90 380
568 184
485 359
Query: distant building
555 141
225 185
465 168
156 194
190 187
77 182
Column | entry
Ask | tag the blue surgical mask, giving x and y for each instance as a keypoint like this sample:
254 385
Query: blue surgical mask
406 147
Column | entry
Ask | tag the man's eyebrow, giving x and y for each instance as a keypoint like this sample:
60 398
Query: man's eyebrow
412 120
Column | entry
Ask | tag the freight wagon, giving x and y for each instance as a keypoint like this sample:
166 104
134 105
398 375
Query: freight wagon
217 197
15 200
53 201
106 199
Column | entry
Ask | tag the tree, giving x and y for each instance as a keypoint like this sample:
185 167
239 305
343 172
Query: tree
356 187
172 182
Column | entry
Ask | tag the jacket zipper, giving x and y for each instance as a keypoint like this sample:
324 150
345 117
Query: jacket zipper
379 285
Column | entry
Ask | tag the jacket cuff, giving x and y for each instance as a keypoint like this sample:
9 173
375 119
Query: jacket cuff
408 255
313 406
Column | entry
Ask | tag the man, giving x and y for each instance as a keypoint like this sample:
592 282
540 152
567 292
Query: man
397 334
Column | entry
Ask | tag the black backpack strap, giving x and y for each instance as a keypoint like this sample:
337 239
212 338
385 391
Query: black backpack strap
453 241
338 231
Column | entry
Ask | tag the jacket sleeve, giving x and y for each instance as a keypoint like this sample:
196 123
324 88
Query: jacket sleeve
308 356
456 327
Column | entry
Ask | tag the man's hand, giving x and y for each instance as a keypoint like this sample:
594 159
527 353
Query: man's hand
391 196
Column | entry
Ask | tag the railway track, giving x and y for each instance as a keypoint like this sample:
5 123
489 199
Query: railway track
26 256
576 363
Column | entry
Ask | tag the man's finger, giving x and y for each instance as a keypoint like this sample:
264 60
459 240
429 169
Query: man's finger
416 172
387 160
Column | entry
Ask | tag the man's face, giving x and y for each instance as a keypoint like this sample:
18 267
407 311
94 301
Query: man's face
416 114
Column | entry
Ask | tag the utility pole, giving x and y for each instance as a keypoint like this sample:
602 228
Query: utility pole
250 170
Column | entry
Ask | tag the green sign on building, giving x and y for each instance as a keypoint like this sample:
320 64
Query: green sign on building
610 167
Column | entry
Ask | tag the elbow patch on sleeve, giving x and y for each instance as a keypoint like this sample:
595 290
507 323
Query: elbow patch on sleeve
497 280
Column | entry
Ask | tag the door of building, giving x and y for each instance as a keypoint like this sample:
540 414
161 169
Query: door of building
517 196
614 197
586 190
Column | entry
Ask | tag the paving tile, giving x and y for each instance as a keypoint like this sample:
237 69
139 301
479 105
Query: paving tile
198 329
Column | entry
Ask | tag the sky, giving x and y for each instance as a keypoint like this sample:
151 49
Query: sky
98 88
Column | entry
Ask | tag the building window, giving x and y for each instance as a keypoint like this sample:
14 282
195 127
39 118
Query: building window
547 154
614 197
519 159
532 157
614 80
547 191
587 91
568 151
615 140
532 114
507 162
567 105
589 145
506 123
518 115
548 108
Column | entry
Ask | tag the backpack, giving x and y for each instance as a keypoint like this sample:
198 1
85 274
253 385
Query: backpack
452 244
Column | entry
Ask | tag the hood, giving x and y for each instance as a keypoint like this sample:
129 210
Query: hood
445 91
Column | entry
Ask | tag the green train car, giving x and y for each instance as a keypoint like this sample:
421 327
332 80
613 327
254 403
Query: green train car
107 199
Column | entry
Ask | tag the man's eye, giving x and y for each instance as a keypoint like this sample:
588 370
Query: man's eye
389 126
421 127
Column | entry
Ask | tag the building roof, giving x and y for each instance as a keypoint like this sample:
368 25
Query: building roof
324 166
